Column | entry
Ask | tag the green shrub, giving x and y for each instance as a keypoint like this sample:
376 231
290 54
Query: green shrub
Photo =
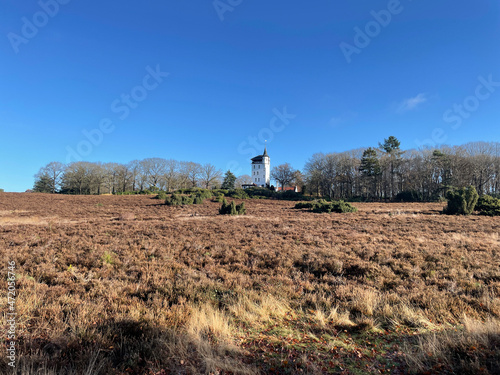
171 200
224 208
259 192
187 199
309 205
198 199
237 194
161 195
186 191
338 207
263 193
178 200
322 207
461 201
488 205
219 191
232 209
241 209
319 206
218 197
312 204
203 193
108 257
174 200
342 207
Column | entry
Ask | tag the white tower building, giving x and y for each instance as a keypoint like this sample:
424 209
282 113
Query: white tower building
261 169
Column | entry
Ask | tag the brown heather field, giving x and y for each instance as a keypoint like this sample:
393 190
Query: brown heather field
126 285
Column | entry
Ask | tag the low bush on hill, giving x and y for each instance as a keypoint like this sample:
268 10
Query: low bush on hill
264 193
198 199
232 209
183 200
260 192
320 206
488 205
135 192
204 194
237 194
218 197
174 200
289 196
161 195
461 201
219 191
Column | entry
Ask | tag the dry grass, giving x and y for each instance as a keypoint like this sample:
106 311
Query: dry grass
112 285
475 349
125 216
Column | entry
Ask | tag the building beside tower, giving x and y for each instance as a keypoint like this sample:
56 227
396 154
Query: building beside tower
261 171
261 175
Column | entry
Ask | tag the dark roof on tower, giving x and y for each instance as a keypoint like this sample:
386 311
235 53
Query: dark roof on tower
260 157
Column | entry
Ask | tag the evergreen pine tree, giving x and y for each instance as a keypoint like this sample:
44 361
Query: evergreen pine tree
370 168
391 147
43 185
229 180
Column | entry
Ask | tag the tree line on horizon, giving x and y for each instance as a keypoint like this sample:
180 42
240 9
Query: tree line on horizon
147 175
388 173
385 172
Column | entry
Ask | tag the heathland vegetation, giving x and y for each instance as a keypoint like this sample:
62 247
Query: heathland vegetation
130 285
193 274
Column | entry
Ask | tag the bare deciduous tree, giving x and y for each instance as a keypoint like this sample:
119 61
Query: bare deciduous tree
283 174
155 169
191 173
244 179
53 173
209 174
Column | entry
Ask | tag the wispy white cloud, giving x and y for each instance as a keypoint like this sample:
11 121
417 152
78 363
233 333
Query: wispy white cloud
412 103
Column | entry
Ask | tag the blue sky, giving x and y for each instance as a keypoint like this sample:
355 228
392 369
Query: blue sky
319 76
